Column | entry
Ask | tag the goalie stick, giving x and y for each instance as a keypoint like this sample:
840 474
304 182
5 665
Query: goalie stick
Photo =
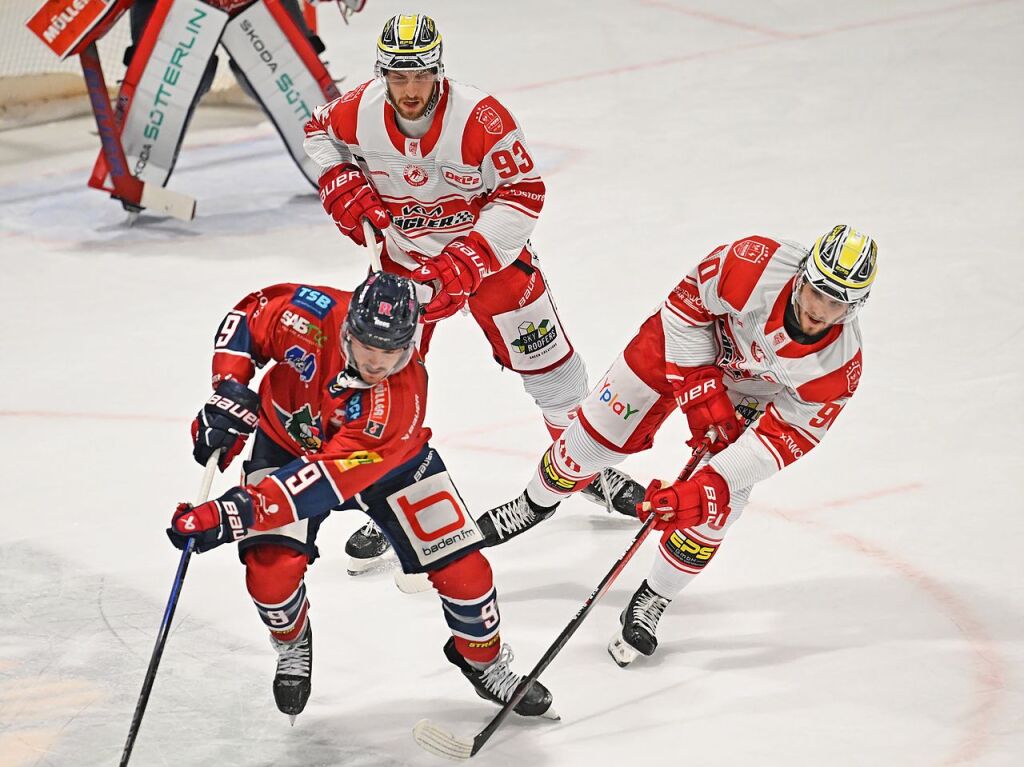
440 742
165 624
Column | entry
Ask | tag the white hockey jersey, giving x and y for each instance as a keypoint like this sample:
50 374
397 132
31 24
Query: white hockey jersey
471 171
729 312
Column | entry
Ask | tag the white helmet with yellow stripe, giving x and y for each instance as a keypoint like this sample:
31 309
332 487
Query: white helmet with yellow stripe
841 265
409 42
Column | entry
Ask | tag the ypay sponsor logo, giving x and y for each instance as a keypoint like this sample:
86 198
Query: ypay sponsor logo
612 400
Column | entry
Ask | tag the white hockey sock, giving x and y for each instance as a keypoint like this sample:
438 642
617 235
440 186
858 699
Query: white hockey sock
667 580
568 465
559 391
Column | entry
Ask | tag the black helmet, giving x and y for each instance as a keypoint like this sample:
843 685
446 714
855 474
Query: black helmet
384 312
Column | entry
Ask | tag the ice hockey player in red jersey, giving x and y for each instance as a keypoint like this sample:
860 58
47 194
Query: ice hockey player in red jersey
443 171
338 425
762 330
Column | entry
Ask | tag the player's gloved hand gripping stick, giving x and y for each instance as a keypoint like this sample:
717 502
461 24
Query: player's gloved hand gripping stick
443 743
165 624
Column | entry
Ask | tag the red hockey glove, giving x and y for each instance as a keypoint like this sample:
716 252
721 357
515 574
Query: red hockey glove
212 523
225 422
686 504
459 269
348 198
702 397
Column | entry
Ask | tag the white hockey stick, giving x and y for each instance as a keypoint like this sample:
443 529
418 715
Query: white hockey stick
370 235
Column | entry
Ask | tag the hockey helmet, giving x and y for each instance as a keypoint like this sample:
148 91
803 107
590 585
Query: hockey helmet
841 266
384 312
409 42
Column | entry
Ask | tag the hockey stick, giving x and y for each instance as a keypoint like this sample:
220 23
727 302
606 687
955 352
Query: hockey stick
370 235
443 743
165 624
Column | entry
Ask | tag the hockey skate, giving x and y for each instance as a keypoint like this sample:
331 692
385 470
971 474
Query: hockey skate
512 518
497 683
366 548
639 623
623 492
292 683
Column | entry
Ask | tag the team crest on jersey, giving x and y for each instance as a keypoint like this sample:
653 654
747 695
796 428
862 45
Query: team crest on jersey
414 175
533 338
853 372
304 363
756 352
751 250
488 117
302 426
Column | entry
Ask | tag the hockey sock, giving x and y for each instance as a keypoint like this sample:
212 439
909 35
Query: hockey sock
683 555
569 465
470 604
274 578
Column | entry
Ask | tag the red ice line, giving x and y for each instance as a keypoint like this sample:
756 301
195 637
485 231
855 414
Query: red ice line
989 676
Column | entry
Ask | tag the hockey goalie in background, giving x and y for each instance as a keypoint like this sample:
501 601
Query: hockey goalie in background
271 47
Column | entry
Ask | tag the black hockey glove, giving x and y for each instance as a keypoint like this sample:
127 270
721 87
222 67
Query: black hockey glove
225 422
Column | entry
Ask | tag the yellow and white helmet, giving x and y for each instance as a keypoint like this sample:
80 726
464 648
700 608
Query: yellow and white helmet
409 42
841 265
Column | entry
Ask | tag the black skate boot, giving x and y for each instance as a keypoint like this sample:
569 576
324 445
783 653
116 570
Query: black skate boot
512 518
497 683
366 548
639 623
623 492
294 668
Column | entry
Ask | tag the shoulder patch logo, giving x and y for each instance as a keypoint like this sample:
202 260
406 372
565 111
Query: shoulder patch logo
749 250
853 372
488 117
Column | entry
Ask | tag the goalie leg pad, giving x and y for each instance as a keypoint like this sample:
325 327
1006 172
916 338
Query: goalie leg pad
277 62
161 87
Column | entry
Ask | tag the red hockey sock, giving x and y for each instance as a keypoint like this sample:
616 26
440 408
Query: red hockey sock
466 587
274 578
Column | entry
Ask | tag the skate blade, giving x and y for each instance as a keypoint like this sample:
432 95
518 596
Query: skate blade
622 653
440 742
552 715
358 567
291 719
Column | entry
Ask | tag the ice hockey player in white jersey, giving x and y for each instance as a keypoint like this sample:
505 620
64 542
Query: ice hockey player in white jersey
443 172
762 330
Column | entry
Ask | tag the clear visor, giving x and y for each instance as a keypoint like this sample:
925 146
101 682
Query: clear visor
372 358
406 76
820 306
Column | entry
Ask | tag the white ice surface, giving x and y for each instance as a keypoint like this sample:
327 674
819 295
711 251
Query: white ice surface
867 610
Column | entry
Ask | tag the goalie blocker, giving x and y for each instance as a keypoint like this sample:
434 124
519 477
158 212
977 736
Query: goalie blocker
171 68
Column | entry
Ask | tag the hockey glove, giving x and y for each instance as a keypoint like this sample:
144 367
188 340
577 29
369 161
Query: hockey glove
212 523
458 269
348 198
691 503
225 423
704 401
